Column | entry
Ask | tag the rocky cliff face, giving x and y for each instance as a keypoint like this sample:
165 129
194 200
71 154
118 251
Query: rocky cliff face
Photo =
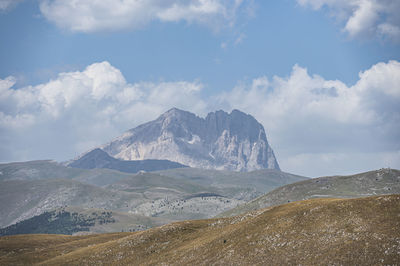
234 141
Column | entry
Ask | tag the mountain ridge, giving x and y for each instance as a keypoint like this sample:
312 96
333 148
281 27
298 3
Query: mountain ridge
377 182
224 141
98 158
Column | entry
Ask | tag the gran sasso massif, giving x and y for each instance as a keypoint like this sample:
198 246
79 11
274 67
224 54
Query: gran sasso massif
223 141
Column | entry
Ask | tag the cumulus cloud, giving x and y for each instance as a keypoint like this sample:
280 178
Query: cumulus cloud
95 15
83 108
307 116
316 126
305 95
364 18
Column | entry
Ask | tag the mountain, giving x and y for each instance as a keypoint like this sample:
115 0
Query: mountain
379 182
98 158
360 231
28 189
223 141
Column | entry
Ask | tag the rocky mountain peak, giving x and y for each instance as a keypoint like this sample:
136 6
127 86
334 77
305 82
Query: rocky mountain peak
221 140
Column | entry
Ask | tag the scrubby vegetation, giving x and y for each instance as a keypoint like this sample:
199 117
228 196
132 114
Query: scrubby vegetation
362 231
58 222
379 182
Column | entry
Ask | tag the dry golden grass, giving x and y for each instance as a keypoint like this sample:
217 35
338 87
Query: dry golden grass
31 249
362 231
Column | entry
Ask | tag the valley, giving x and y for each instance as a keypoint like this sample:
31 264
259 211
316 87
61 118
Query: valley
318 231
32 188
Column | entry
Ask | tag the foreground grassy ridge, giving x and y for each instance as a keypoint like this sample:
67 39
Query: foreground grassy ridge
32 249
362 231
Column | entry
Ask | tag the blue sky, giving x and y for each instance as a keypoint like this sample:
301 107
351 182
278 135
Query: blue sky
277 60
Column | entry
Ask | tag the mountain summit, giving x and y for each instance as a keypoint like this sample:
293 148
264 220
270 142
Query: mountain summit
234 141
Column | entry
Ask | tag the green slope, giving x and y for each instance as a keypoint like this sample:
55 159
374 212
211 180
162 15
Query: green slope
22 199
77 220
239 185
33 170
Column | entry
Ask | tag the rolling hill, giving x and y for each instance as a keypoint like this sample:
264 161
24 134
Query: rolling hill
98 158
77 220
46 169
239 185
379 182
361 231
32 188
23 199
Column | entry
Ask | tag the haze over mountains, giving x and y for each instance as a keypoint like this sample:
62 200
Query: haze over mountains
146 179
102 178
162 188
222 141
32 188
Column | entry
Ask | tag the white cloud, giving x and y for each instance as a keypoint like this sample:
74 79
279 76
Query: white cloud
7 83
305 114
313 124
364 18
8 4
304 95
96 15
85 107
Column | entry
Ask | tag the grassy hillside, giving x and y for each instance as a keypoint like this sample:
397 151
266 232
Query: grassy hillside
33 249
379 182
175 199
76 220
22 199
34 170
28 189
144 181
238 185
361 231
147 194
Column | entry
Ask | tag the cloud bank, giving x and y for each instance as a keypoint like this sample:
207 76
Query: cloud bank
364 18
108 15
316 124
312 123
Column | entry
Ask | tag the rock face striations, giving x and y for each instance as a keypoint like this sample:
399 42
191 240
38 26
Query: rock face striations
222 141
